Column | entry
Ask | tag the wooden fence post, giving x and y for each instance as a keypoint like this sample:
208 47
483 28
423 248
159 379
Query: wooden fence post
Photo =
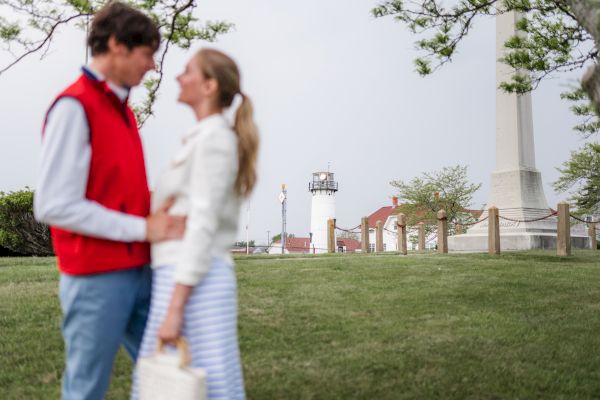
331 236
364 233
563 237
401 221
379 237
442 232
592 233
421 227
493 230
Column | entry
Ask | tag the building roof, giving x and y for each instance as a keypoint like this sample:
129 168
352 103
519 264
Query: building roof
296 244
380 215
351 245
241 250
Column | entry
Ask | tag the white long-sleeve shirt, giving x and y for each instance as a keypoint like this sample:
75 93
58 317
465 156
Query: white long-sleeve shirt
63 175
201 178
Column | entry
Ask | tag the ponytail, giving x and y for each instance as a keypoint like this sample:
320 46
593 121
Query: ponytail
247 134
217 65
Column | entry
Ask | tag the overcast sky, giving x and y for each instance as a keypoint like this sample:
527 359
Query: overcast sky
330 85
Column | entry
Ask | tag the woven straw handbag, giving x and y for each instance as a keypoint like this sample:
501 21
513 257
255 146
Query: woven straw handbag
165 376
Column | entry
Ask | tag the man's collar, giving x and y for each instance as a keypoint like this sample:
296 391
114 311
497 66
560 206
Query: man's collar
121 92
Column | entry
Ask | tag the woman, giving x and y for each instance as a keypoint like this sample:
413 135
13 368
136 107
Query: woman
194 286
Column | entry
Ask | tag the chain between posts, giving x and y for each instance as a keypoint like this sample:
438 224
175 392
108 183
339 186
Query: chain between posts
349 230
529 220
456 222
468 223
430 240
356 229
585 222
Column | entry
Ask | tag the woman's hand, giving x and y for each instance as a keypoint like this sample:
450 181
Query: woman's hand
170 329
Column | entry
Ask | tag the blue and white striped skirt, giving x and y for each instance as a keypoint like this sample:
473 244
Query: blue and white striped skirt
210 327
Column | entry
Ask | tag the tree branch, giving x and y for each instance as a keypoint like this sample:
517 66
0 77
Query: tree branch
153 90
43 42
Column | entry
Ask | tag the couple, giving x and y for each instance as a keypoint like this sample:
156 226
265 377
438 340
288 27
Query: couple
93 192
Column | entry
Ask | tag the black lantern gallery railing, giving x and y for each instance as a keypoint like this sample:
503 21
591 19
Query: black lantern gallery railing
323 185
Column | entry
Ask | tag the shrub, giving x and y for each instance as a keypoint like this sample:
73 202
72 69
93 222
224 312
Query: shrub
19 231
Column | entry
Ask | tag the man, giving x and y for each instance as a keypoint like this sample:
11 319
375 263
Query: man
93 192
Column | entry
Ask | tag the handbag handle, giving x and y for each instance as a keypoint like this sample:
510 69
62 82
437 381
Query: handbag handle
185 358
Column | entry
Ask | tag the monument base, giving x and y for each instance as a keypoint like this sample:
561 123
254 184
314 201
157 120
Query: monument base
518 190
512 241
526 221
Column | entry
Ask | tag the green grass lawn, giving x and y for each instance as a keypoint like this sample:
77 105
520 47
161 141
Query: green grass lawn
521 325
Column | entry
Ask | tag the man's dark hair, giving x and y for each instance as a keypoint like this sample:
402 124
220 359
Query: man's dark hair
129 26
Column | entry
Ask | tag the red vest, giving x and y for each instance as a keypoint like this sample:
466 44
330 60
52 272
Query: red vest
117 180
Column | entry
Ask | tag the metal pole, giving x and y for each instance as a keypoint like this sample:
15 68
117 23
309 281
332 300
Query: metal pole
283 218
247 224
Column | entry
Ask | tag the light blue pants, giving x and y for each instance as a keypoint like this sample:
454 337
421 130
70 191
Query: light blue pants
101 312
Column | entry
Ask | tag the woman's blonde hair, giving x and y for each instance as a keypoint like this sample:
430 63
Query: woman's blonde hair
216 65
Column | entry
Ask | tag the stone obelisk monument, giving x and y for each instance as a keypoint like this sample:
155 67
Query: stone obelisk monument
516 185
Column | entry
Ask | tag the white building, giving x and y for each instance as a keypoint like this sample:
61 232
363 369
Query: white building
323 188
292 245
388 215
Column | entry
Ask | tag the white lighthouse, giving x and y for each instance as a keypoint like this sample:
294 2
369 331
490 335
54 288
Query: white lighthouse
323 189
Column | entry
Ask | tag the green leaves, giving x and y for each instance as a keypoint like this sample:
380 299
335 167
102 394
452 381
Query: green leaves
581 173
387 8
550 41
144 109
440 29
423 66
185 34
9 31
518 84
19 231
585 109
83 6
448 189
